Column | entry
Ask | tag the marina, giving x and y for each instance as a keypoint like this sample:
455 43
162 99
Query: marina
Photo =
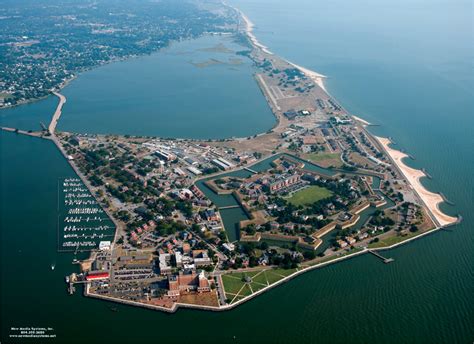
82 223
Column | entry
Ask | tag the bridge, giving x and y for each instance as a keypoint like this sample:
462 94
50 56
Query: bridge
24 132
229 207
250 170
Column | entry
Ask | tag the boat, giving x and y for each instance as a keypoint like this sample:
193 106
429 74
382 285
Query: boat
53 266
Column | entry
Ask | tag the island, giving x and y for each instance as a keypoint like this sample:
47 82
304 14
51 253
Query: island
210 224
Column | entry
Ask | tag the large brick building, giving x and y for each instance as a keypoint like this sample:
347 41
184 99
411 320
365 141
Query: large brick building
188 283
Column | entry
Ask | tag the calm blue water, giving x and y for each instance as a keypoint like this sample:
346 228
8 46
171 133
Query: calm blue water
164 94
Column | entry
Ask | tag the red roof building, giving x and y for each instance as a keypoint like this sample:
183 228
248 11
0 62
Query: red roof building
93 276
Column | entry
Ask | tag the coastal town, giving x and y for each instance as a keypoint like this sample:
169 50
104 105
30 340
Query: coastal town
39 58
209 224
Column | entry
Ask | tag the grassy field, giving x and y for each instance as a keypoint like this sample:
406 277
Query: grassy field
309 195
391 240
236 289
324 159
232 284
274 275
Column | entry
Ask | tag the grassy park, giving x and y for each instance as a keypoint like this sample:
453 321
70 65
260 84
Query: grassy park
309 195
236 288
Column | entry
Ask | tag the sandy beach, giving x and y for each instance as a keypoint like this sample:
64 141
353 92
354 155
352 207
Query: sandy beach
316 77
431 199
363 121
249 30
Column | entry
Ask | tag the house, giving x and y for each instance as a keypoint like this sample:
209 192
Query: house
342 243
350 240
210 215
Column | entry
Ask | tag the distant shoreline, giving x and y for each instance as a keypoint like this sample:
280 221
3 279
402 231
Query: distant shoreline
66 82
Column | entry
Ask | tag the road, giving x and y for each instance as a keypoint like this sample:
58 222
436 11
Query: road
57 113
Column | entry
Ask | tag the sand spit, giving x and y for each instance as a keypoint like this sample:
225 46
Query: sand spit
249 30
363 121
431 199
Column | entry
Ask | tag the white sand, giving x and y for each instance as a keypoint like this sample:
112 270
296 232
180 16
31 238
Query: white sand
363 121
316 77
413 176
249 29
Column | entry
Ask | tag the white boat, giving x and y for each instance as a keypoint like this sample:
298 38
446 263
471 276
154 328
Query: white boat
53 266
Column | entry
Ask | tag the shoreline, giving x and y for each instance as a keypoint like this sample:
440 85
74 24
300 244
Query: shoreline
249 31
176 306
363 121
318 78
315 76
430 199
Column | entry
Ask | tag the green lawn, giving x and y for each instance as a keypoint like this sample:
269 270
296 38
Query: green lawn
391 240
309 195
274 275
246 291
257 286
283 272
261 278
232 284
237 298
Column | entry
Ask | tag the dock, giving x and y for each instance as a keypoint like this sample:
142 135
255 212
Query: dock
385 260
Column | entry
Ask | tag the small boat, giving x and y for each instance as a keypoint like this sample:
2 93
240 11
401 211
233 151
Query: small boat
113 309
53 266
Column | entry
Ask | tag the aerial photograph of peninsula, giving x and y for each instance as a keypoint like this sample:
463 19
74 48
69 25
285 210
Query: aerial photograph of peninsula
237 171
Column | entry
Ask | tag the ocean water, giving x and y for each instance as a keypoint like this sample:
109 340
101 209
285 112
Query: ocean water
406 66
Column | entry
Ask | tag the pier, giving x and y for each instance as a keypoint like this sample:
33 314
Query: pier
385 260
